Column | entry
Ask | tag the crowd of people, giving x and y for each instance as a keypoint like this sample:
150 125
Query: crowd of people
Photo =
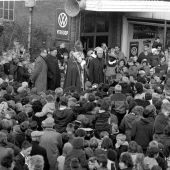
71 110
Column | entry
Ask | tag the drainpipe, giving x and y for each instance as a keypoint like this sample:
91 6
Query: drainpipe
165 33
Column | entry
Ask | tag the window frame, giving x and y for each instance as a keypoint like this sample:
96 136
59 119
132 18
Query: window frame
3 10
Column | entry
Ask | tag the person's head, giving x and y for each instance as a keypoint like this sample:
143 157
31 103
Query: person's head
153 143
104 105
125 161
70 128
37 106
26 148
102 161
53 51
3 138
36 162
149 111
157 39
159 47
120 138
7 160
36 135
118 88
121 63
99 52
146 47
133 147
165 109
153 152
104 46
139 87
63 45
92 163
156 167
75 164
148 96
167 130
43 52
48 123
117 48
67 148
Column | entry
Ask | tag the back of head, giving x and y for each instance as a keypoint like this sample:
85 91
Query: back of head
149 111
37 162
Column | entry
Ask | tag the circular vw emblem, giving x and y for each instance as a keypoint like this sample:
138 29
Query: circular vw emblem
62 20
134 50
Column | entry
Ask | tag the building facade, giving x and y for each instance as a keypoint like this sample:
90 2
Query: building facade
109 21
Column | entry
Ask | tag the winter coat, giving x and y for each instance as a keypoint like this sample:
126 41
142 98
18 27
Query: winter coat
126 125
39 75
20 163
53 73
22 74
62 118
52 142
102 120
38 150
73 74
77 152
142 131
160 123
96 73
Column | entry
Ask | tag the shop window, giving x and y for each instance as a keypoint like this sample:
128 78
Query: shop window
102 24
144 31
7 10
87 42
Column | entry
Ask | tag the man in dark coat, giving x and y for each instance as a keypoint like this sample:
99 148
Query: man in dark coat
74 72
53 74
38 150
96 67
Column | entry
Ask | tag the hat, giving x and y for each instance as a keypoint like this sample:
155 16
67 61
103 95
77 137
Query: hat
24 84
35 134
67 147
98 50
121 136
49 122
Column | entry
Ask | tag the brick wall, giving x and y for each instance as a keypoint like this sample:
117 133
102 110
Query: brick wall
44 15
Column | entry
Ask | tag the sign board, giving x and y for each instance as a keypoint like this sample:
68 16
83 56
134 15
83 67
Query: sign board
133 50
62 25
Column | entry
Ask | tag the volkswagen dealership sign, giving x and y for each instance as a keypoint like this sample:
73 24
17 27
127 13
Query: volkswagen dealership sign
62 25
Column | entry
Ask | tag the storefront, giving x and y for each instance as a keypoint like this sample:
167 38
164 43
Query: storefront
100 27
148 20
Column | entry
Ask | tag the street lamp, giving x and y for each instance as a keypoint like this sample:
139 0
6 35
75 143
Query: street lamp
30 4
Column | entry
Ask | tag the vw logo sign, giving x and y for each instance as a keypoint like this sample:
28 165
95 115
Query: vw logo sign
62 20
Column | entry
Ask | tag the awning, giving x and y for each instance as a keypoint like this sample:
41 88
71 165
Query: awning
127 6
